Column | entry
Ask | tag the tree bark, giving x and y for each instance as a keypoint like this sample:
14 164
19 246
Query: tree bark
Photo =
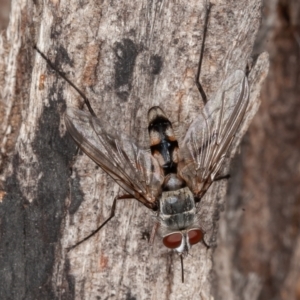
258 250
127 56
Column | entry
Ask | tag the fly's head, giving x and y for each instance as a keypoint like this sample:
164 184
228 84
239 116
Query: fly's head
181 241
179 221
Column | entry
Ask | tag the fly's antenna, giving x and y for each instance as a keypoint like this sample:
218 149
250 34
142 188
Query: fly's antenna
182 269
61 74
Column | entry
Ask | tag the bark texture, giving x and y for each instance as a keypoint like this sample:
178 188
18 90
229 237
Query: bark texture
127 56
258 251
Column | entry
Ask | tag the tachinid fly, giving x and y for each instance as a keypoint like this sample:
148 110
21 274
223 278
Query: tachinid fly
174 176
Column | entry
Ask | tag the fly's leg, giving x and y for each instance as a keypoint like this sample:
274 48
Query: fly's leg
197 79
222 177
182 269
86 100
61 74
112 214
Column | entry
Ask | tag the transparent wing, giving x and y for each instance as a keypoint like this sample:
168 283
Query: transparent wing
134 169
210 135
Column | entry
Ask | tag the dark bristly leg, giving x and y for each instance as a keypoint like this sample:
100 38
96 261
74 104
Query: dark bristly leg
222 177
182 269
86 100
197 79
112 214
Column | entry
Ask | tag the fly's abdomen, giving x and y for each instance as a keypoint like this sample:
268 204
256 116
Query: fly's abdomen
164 146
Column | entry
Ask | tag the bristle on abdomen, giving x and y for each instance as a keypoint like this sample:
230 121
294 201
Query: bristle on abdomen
164 145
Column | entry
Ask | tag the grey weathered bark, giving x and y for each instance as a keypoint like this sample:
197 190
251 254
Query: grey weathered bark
259 249
127 56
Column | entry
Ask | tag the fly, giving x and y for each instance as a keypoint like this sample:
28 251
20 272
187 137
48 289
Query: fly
170 179
173 177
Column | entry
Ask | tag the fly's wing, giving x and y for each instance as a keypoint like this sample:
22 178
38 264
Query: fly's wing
134 169
210 135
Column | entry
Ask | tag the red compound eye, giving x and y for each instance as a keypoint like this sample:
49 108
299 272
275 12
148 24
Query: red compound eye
172 240
195 236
